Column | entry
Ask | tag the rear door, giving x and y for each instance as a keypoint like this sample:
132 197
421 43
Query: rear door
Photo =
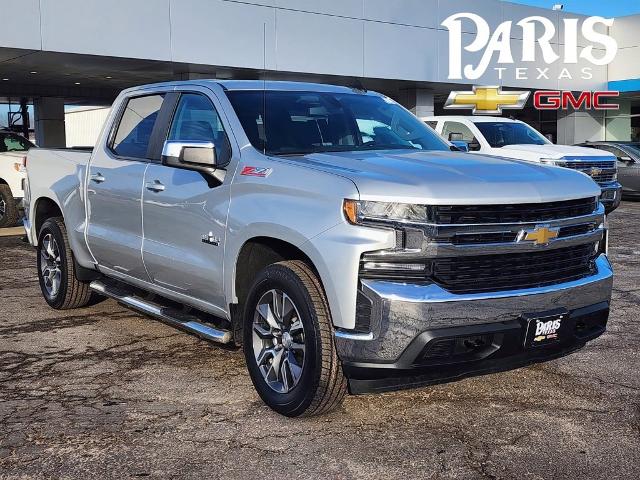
114 187
185 212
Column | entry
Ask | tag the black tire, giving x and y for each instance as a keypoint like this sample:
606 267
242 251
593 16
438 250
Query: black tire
9 212
321 386
71 293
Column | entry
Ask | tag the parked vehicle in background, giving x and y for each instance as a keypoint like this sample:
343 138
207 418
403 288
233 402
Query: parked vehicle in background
326 230
628 155
504 137
13 149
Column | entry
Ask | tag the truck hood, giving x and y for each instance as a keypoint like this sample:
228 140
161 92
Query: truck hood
536 152
437 177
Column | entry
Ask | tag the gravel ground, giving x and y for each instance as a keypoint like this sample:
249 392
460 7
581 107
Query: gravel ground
103 392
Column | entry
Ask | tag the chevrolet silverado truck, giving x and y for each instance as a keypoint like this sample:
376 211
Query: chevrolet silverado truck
13 149
504 137
326 230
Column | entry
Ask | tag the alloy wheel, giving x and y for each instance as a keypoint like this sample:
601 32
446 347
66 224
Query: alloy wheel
3 208
50 265
278 341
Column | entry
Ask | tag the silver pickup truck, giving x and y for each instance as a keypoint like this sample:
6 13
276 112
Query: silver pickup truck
327 231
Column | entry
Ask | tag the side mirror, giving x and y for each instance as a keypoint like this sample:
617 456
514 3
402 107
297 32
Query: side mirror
626 159
199 156
460 145
474 146
456 137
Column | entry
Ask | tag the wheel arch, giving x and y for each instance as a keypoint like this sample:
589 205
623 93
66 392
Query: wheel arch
255 254
43 209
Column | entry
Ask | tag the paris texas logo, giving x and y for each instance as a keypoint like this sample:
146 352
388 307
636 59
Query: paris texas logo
540 47
547 330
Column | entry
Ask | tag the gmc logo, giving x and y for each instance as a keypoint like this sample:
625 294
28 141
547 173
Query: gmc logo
555 100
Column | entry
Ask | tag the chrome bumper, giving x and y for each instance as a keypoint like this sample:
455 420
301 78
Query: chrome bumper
403 311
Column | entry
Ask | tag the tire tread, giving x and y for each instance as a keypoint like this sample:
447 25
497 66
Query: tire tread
77 294
332 384
12 213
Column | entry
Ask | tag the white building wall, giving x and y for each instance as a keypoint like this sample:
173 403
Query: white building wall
626 66
83 125
389 39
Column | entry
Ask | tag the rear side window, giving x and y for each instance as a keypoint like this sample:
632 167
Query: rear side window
432 123
457 127
136 125
13 143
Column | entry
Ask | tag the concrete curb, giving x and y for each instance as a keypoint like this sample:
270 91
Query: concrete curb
11 232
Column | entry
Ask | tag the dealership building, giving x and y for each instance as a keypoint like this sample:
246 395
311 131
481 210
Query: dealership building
83 52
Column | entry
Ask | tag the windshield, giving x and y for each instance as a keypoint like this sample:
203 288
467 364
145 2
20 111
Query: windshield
501 134
297 123
10 142
634 148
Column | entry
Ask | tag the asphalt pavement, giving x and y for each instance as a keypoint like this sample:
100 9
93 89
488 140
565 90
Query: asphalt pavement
104 393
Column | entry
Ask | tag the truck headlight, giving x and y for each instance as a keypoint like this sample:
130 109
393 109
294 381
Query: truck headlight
363 212
551 161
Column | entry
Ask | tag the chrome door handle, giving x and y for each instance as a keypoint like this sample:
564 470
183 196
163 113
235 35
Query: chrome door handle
156 186
97 177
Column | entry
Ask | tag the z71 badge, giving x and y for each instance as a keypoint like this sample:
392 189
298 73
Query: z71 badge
256 172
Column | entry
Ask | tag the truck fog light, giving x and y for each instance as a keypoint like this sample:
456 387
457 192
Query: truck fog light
401 267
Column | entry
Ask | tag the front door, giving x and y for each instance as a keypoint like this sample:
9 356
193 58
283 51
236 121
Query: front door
114 191
185 212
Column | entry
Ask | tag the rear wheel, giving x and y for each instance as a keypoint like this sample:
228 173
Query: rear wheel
288 342
56 269
9 212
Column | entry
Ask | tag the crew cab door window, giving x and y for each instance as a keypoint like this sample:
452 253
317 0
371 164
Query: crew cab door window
196 119
461 128
133 133
457 127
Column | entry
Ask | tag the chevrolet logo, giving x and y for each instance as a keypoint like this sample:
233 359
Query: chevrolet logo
486 100
539 235
595 171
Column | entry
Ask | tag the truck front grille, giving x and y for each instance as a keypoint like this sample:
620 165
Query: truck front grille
519 213
511 236
599 171
491 273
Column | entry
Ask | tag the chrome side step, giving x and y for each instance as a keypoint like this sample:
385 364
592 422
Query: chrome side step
187 322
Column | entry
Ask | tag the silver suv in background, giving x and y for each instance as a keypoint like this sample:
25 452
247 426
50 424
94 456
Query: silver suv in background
328 231
628 156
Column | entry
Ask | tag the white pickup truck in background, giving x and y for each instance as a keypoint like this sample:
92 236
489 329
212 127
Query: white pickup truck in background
504 137
13 149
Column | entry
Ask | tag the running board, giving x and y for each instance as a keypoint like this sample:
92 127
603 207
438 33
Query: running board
183 321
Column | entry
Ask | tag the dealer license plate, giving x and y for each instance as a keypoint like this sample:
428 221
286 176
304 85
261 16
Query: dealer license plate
545 329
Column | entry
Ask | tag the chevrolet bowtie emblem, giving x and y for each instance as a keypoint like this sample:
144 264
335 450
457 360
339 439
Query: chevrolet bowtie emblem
486 100
539 235
595 171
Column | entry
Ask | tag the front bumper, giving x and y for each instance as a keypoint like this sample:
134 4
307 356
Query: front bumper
611 196
406 317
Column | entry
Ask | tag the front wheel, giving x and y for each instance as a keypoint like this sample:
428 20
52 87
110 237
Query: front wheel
288 342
